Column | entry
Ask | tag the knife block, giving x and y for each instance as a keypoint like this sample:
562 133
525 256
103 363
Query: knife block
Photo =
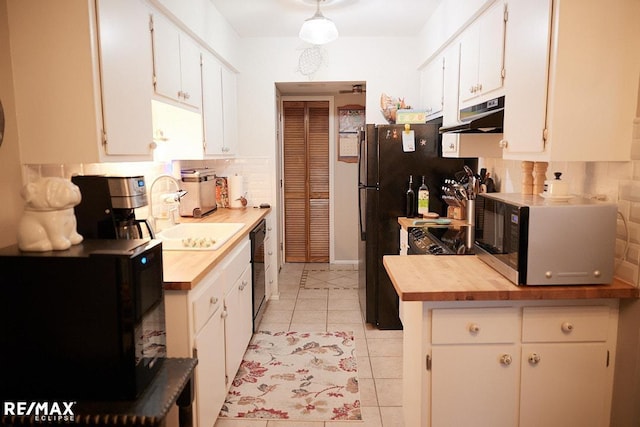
456 212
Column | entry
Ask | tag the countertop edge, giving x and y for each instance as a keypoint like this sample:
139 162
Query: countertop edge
215 256
618 289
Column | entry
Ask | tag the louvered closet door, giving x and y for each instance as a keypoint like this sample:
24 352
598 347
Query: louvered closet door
306 181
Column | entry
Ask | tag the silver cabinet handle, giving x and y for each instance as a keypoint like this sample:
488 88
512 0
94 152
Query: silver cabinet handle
506 359
213 300
224 314
534 358
503 143
243 285
567 327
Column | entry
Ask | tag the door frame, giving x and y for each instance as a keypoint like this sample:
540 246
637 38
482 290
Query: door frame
332 148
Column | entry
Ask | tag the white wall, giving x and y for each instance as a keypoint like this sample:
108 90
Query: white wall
10 178
387 65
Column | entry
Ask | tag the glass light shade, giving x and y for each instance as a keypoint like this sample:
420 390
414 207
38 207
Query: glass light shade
318 30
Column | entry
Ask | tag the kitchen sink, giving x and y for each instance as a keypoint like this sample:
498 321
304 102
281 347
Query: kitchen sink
198 236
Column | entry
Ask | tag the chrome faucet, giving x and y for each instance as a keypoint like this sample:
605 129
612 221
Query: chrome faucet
171 197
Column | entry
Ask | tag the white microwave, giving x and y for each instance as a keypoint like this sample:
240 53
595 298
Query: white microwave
533 240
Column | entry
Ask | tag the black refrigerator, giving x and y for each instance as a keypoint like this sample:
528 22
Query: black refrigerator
383 180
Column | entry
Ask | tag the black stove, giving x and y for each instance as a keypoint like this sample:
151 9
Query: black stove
438 241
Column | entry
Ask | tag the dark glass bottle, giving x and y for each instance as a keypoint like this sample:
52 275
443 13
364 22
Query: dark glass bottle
411 199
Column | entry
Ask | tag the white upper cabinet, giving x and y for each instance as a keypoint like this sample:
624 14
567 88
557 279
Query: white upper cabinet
82 80
176 64
126 74
219 108
482 57
571 82
212 120
230 110
432 81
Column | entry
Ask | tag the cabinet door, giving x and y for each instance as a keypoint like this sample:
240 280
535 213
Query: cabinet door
432 86
166 55
230 111
126 73
474 385
482 56
190 72
564 385
212 106
239 322
469 57
210 372
491 52
527 72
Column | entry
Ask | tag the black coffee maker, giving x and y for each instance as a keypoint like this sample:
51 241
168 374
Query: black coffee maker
107 207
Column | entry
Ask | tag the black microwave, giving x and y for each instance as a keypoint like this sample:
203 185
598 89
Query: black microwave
533 240
86 323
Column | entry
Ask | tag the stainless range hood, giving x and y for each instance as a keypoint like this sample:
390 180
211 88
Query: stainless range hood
486 117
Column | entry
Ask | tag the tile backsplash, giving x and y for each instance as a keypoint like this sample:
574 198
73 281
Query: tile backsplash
255 172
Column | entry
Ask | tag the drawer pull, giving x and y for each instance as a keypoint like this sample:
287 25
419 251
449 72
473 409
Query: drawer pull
534 358
213 300
243 285
224 314
474 328
506 359
270 252
567 327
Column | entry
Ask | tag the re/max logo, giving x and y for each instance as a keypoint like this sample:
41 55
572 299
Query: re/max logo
49 411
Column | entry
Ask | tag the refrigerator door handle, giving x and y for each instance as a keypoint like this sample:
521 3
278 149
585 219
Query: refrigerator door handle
363 235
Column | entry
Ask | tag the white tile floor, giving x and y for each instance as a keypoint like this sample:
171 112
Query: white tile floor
317 297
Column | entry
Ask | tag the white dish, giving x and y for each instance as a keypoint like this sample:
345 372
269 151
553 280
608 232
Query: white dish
557 198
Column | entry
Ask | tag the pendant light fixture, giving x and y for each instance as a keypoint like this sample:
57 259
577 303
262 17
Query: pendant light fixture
318 29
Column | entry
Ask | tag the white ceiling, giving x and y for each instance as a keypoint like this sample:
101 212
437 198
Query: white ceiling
354 18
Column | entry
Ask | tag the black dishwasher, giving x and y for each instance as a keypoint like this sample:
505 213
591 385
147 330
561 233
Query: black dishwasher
259 284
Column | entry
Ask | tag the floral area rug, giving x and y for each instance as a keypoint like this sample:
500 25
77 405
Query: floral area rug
297 376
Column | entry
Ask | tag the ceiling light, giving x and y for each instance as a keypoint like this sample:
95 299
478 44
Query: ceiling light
318 29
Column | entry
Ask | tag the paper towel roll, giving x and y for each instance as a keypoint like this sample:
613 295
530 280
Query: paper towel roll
236 190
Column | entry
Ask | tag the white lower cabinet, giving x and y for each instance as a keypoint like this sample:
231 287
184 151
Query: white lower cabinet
565 367
527 363
475 364
213 322
238 326
211 374
475 385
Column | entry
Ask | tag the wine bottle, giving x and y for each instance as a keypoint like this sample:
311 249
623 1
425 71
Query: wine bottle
423 199
411 199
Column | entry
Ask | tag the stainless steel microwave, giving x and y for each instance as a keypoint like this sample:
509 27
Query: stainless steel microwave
533 240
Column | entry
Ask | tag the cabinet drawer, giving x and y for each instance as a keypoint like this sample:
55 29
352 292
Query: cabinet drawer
565 324
236 262
475 325
207 303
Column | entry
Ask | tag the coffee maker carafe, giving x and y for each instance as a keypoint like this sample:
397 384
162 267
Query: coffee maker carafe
107 209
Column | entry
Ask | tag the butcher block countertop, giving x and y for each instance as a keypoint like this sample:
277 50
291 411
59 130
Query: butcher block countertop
406 223
183 270
466 278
